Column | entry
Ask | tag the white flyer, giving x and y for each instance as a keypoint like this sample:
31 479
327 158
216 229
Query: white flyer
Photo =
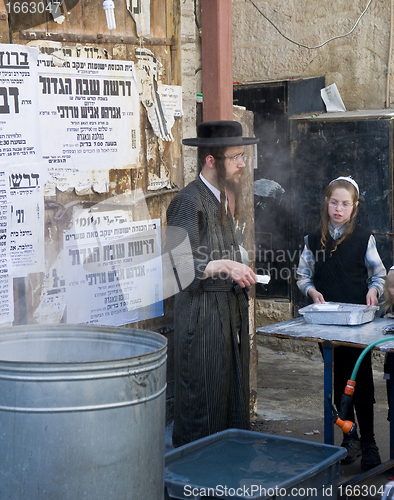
332 99
19 133
171 98
88 113
25 191
6 283
112 268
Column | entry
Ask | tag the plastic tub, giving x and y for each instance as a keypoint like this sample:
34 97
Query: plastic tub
250 465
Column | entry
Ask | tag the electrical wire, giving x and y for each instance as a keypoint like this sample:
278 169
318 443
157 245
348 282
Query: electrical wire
316 46
195 17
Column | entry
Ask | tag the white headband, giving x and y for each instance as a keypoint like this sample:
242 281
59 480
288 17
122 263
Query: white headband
348 179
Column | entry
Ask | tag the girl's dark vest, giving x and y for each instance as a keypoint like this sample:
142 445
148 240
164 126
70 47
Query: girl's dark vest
343 276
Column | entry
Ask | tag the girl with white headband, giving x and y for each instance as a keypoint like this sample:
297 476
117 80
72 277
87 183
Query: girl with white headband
340 263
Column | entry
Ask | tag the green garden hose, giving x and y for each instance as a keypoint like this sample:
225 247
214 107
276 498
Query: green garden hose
362 355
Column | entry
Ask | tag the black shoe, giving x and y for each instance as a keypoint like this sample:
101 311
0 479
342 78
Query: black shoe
371 457
353 448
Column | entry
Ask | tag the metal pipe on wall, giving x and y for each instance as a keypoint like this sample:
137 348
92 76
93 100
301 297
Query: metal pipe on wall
217 66
390 52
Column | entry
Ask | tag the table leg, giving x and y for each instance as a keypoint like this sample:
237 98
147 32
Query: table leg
390 394
328 420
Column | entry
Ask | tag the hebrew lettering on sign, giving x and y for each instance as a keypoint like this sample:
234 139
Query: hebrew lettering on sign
19 140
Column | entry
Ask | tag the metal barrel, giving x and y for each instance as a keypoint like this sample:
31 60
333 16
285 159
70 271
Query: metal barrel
82 413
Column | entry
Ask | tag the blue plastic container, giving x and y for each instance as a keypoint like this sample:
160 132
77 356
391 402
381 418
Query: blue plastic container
249 465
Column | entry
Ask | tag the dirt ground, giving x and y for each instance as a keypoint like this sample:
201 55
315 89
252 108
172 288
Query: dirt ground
290 402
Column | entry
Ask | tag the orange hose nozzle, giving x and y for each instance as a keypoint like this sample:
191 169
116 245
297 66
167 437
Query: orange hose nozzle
345 425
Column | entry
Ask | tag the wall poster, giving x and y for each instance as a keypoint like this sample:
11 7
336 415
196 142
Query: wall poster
25 188
88 116
113 269
19 135
6 283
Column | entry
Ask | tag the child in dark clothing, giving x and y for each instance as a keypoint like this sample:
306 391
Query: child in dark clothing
340 263
389 294
388 311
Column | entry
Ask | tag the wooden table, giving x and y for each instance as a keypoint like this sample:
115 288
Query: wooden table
331 336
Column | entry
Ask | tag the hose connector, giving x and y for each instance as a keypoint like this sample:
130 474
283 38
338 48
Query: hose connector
349 389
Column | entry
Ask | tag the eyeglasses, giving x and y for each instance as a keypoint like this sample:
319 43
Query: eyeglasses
337 204
241 157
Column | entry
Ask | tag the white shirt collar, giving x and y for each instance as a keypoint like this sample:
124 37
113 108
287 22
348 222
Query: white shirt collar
214 190
336 232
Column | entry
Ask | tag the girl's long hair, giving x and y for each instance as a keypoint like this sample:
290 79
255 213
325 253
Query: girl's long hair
218 154
325 219
389 299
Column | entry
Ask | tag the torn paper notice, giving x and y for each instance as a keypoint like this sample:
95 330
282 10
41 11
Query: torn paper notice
60 51
6 286
140 12
156 183
54 8
171 99
19 135
26 197
53 295
146 70
332 99
82 180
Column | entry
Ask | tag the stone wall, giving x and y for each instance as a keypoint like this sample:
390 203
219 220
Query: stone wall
356 63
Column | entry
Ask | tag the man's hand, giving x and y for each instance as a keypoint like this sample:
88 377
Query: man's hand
241 274
316 296
238 272
372 297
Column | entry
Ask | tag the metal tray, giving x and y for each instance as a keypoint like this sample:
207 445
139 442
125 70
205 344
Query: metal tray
336 313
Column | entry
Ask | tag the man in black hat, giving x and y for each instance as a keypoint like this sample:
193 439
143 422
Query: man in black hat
211 314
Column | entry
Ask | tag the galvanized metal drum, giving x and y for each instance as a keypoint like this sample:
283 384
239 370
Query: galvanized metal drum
82 413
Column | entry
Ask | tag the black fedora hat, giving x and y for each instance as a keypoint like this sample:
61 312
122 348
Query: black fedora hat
223 133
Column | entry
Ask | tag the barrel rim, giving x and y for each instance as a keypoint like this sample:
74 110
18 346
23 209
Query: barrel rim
87 332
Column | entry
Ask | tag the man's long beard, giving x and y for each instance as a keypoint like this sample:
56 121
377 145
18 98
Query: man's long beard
234 191
234 187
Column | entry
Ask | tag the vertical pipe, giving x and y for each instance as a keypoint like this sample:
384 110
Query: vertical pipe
217 67
328 421
390 390
390 52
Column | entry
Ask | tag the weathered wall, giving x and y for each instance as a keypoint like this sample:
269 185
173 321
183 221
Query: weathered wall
84 31
188 66
356 63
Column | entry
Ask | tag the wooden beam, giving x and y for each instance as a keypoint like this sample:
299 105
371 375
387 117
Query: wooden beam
99 38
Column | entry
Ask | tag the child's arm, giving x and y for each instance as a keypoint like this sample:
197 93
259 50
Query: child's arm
305 272
316 296
376 273
372 297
